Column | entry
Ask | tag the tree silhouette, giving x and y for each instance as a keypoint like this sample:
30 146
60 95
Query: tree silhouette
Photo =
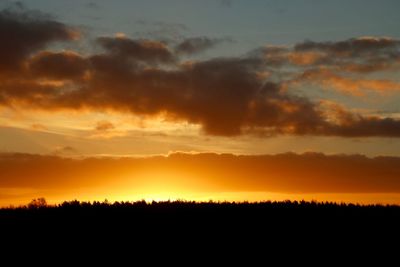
37 203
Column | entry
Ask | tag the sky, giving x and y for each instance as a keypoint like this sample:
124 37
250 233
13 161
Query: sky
124 85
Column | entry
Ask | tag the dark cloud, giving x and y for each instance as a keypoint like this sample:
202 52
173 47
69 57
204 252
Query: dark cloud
23 33
354 47
62 65
358 126
226 96
197 45
27 92
223 95
148 51
307 173
359 55
363 55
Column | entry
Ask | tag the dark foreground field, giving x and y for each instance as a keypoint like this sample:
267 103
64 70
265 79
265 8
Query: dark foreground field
182 226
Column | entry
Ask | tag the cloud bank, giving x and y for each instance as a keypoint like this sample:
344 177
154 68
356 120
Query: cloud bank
284 173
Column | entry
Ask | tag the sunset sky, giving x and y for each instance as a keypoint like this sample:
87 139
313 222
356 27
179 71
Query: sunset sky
214 99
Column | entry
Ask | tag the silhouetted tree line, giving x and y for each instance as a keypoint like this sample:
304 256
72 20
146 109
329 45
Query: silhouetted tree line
41 203
265 208
189 219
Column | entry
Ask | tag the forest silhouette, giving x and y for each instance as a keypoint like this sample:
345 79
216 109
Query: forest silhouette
219 215
213 224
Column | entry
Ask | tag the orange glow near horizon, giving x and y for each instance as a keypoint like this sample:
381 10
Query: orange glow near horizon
201 177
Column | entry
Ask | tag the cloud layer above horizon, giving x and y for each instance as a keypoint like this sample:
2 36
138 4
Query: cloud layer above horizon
208 172
226 96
